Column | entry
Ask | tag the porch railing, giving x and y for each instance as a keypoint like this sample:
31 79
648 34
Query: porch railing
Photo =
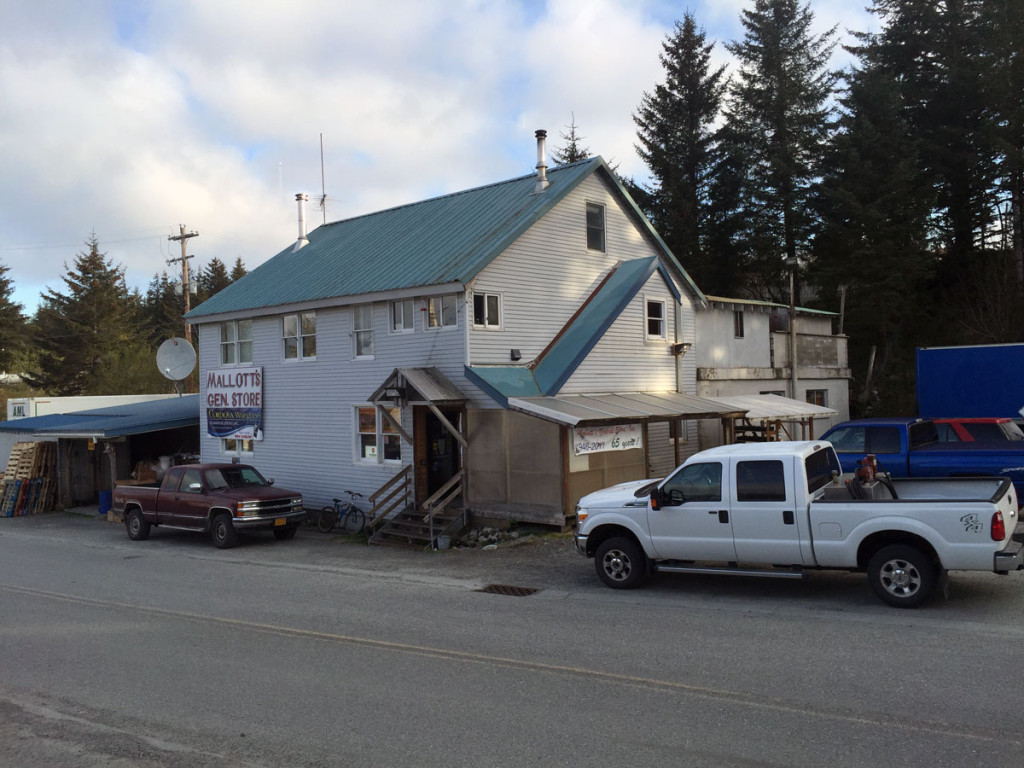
441 499
394 494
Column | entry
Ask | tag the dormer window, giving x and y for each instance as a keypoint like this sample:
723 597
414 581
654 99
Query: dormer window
595 227
655 318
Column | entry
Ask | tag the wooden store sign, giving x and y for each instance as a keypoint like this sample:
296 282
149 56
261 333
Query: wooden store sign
619 437
234 403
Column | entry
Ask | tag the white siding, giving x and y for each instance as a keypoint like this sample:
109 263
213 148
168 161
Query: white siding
548 272
717 345
308 413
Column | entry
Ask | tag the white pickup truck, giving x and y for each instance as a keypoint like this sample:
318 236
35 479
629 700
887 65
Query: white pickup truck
780 509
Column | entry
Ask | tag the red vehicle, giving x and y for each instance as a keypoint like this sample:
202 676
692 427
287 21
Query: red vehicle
984 430
218 499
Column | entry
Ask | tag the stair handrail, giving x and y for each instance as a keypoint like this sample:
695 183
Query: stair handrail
387 494
441 498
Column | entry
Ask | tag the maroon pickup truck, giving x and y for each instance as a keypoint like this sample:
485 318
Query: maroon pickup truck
219 499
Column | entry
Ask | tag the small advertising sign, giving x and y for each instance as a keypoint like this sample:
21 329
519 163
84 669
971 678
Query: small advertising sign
619 437
234 403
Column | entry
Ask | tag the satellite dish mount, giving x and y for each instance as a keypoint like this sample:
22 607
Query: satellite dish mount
176 360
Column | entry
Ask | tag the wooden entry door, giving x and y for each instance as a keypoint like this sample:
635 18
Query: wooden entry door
438 457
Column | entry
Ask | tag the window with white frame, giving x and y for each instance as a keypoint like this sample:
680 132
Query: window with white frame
299 333
654 318
236 342
441 311
362 330
486 310
231 447
377 439
403 316
595 227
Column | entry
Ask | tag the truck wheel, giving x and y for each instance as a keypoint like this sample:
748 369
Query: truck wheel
621 563
223 532
902 575
138 527
283 534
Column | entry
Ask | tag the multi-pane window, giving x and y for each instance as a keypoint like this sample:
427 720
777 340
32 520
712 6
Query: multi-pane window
299 336
402 316
817 397
655 319
595 227
377 439
362 333
236 342
486 310
233 447
737 323
441 312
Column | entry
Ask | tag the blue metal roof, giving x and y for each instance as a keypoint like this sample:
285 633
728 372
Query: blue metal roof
443 240
114 421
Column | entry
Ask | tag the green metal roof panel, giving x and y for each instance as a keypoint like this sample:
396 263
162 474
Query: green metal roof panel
504 381
587 328
442 240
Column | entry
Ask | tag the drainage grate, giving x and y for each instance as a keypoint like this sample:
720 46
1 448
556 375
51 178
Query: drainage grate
506 589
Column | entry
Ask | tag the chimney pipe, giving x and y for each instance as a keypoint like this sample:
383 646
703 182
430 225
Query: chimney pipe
542 165
301 199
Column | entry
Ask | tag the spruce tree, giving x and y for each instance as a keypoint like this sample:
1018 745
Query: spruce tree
779 118
572 151
675 130
238 271
213 279
12 323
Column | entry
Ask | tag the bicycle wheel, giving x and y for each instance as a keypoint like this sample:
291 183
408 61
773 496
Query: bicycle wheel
328 519
354 520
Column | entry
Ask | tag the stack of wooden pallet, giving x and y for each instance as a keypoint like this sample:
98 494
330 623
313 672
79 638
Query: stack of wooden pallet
29 483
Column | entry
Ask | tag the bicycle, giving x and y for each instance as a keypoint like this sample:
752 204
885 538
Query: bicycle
344 513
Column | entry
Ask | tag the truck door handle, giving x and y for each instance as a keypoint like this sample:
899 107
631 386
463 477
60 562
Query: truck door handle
787 517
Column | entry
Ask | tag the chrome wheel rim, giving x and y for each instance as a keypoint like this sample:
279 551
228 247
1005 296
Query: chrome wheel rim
617 565
900 578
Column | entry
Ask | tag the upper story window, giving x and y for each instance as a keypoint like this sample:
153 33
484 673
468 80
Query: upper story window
654 316
362 330
737 323
403 316
236 342
441 311
595 227
486 310
817 397
299 336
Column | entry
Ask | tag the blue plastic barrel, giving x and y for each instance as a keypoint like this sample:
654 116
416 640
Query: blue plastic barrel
106 501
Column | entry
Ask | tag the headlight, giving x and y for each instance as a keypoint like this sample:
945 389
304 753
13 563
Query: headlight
581 514
247 507
297 502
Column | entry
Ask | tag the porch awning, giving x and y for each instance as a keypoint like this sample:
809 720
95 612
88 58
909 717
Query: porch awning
587 410
774 407
418 386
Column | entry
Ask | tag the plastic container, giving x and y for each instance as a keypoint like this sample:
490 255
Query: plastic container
106 501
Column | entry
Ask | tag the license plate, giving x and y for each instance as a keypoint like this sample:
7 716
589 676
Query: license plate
279 521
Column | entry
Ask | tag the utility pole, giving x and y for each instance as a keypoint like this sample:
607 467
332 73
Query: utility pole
183 239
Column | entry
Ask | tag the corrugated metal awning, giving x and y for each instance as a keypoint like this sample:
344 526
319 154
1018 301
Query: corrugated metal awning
774 407
582 410
418 385
113 421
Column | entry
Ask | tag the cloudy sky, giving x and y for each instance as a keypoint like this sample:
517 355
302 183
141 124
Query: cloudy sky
128 118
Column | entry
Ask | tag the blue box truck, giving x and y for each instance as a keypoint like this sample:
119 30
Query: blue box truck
970 381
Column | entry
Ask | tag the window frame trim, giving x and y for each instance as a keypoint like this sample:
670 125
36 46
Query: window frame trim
647 318
299 336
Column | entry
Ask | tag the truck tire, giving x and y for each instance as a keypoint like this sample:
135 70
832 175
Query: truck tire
137 526
621 563
902 575
223 532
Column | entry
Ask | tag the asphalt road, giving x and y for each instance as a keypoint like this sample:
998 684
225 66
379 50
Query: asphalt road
318 652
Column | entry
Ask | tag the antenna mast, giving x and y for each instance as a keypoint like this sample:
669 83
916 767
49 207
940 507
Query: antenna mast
323 186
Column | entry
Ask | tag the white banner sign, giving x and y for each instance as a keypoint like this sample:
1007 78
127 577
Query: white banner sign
620 437
234 403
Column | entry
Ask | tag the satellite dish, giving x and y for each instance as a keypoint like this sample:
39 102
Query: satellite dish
176 359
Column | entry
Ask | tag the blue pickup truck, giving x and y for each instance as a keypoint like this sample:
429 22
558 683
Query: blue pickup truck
908 447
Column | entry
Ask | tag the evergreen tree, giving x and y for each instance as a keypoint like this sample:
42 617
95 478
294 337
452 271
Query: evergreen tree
12 323
213 279
162 309
779 116
81 335
572 151
238 271
676 141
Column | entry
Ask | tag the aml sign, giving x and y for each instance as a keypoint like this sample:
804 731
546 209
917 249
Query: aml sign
234 403
619 437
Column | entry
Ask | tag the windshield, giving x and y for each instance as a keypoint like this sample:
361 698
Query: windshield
233 477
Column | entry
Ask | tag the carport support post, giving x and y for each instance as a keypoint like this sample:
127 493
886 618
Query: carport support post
110 451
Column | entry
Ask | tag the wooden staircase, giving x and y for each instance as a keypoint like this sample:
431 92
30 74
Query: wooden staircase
415 527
